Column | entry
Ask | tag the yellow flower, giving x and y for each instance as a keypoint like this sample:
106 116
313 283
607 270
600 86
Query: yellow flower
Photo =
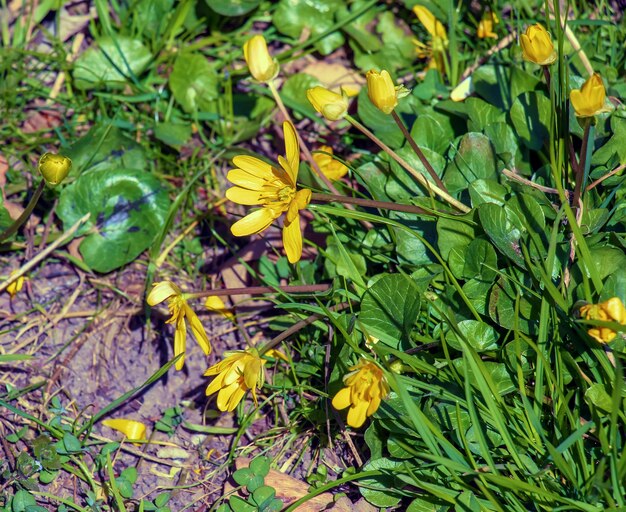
273 187
238 372
589 99
54 168
332 169
16 286
133 430
365 388
179 309
382 92
331 105
435 50
485 26
612 310
537 45
261 64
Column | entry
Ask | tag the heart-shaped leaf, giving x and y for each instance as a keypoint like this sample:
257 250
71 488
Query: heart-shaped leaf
128 208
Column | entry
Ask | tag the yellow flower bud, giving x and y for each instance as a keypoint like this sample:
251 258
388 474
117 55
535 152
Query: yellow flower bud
54 168
612 310
382 92
332 169
537 45
133 430
331 105
589 99
261 64
16 286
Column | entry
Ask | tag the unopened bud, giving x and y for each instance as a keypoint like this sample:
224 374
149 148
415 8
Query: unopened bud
54 168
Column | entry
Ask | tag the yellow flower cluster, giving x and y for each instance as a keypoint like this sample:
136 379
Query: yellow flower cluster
365 387
612 310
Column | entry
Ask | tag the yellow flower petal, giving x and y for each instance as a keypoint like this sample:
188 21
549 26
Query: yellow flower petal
331 105
589 99
292 239
342 399
244 196
133 430
16 286
215 303
261 64
537 45
180 341
198 330
162 291
432 25
381 90
292 150
254 166
357 414
254 222
332 169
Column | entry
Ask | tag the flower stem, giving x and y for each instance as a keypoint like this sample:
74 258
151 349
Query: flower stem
249 290
580 168
368 203
418 151
303 146
297 326
26 213
421 179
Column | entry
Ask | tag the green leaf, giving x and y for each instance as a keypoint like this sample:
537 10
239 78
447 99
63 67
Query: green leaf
530 115
293 93
240 505
389 309
504 228
295 17
433 131
173 134
128 209
260 466
454 233
112 62
5 219
233 7
505 301
263 496
598 396
243 476
193 82
487 191
105 147
473 160
21 500
379 490
152 16
481 114
479 335
497 371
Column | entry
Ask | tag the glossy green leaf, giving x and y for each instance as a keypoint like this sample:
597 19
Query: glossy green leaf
193 82
473 160
233 7
479 335
111 62
128 208
293 93
530 115
379 490
504 228
600 398
389 309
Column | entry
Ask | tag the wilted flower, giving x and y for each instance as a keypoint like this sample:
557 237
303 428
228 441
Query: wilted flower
333 169
54 168
331 105
537 45
179 309
365 388
261 64
273 187
133 430
240 371
16 286
612 310
435 50
382 92
589 99
486 24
